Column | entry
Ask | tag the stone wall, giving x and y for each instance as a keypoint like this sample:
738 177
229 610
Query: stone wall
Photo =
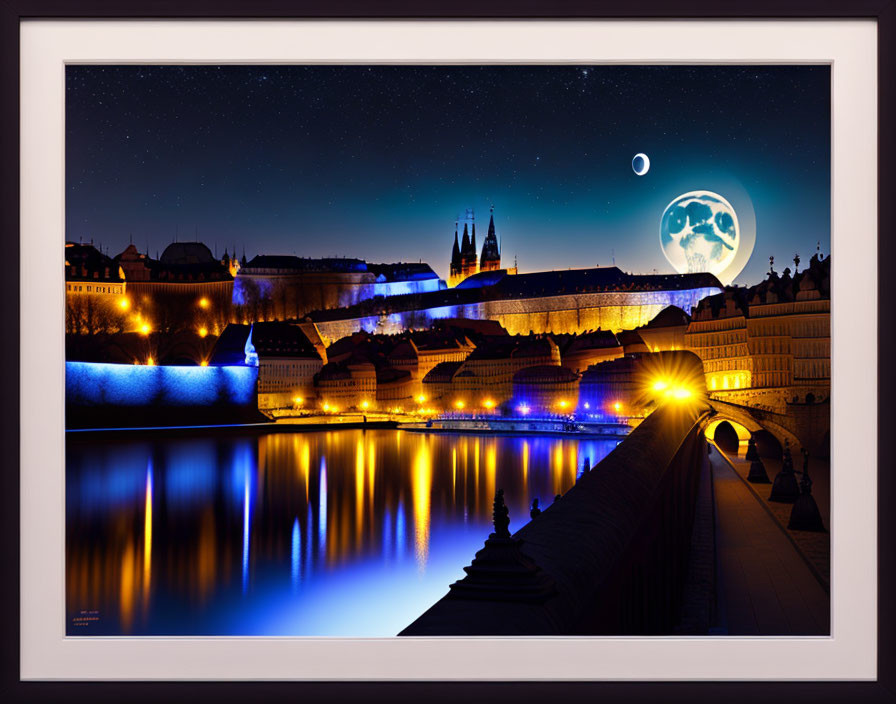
573 313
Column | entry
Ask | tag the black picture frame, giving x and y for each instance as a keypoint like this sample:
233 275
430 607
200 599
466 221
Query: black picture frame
12 12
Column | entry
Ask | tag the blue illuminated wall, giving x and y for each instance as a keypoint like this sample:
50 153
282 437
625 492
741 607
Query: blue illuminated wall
128 394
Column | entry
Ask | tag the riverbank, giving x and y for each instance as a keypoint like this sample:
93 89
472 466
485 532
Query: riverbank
519 426
310 424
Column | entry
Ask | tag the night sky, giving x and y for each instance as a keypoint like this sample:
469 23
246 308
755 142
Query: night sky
377 162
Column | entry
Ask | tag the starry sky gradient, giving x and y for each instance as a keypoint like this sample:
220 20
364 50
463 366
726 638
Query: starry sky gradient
377 162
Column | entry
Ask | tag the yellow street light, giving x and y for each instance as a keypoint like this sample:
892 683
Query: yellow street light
150 362
365 405
203 302
459 404
617 406
203 332
124 304
421 399
203 363
145 329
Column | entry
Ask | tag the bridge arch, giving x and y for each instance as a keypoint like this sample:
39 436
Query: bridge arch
742 417
715 431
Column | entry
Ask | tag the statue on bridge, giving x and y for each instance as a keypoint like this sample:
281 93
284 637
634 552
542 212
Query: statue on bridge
536 511
500 571
785 490
805 514
501 516
757 474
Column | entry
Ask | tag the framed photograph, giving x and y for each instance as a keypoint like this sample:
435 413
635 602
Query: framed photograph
284 414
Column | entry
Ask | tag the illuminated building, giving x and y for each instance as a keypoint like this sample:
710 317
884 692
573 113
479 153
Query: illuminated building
570 301
186 289
578 352
545 390
768 346
346 385
287 360
666 331
487 373
95 294
396 388
423 350
275 287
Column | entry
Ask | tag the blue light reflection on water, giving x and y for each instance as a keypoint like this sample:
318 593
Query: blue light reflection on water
246 542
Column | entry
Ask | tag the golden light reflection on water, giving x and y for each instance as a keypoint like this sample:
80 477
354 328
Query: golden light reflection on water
147 537
306 504
491 468
557 469
422 488
359 492
128 586
525 463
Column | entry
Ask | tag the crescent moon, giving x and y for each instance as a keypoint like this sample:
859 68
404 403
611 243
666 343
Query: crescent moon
645 167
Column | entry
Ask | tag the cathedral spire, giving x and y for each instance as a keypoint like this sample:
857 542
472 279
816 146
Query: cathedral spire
455 251
491 255
465 243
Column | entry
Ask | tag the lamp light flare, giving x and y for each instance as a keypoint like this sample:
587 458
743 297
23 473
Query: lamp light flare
124 304
203 332
203 302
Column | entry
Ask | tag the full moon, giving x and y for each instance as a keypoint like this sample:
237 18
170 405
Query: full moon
640 164
699 231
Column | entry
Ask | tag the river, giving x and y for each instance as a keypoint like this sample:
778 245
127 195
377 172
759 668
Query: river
333 533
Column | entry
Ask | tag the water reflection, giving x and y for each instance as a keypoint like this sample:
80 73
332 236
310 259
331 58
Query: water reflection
237 534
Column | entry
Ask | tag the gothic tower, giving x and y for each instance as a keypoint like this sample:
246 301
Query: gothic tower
491 256
454 271
464 259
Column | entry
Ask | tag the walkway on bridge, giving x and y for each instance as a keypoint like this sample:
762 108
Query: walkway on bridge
764 586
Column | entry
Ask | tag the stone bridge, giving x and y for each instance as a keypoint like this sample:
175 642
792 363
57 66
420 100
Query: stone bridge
804 425
608 557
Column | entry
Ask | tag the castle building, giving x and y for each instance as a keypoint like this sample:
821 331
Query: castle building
464 260
769 345
285 287
186 289
89 271
568 301
94 291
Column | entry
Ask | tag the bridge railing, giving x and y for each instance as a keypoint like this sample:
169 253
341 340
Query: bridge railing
614 549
